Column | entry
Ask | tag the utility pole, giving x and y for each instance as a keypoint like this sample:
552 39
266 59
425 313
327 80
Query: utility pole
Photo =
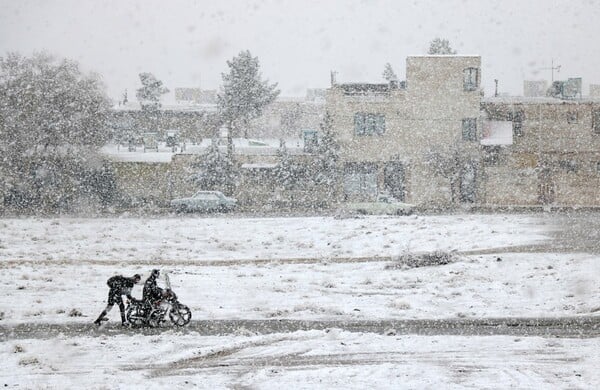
496 92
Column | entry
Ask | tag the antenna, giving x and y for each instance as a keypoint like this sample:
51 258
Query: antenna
552 68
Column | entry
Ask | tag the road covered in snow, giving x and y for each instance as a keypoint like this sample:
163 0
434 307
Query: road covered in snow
308 302
580 327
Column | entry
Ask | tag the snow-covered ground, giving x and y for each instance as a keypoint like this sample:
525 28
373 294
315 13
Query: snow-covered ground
330 359
195 239
318 268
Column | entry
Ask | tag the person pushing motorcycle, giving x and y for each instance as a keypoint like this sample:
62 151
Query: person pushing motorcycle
119 285
151 292
158 305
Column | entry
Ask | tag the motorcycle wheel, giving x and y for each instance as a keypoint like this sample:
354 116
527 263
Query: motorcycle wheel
135 315
180 315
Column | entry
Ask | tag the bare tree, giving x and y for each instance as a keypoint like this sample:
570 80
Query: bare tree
445 164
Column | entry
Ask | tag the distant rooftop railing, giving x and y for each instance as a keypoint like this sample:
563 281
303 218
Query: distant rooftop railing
353 89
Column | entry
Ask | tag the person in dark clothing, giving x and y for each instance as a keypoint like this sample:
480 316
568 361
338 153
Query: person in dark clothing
119 285
151 292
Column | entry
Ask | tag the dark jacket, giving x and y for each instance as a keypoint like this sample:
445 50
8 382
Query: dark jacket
151 291
120 285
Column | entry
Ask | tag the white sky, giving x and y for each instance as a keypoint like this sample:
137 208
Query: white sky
298 42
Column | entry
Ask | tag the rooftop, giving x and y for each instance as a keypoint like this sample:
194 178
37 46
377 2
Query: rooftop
538 100
164 154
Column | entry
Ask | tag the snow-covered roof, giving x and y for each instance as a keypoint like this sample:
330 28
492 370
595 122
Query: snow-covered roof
538 100
164 154
259 166
445 55
173 105
187 106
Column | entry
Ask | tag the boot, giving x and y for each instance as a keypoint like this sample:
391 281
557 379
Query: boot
100 318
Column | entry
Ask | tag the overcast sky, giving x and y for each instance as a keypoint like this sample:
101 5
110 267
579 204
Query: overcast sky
298 42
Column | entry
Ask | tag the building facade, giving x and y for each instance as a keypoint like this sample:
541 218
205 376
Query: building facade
436 142
416 140
553 157
432 140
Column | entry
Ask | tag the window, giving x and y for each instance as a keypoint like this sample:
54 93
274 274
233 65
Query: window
470 79
311 141
517 118
517 128
207 196
360 181
469 129
369 124
468 182
571 117
569 166
596 121
491 155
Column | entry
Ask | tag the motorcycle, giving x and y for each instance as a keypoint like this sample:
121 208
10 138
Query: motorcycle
140 313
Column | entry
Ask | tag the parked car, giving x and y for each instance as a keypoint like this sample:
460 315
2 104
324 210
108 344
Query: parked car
384 204
150 141
204 201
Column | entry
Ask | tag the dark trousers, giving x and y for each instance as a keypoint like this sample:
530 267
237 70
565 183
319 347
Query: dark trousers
114 296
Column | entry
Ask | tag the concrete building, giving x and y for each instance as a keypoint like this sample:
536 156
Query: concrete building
194 117
195 96
554 156
533 88
288 118
416 140
437 142
432 140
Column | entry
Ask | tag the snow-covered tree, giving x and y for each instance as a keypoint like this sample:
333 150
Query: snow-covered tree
451 162
52 121
388 73
327 157
440 46
215 170
243 95
150 92
149 97
286 171
290 118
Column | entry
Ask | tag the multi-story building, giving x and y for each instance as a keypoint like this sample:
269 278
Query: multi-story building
287 118
418 139
194 117
432 140
435 141
552 157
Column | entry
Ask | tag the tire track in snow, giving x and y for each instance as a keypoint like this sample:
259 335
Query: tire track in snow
572 327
